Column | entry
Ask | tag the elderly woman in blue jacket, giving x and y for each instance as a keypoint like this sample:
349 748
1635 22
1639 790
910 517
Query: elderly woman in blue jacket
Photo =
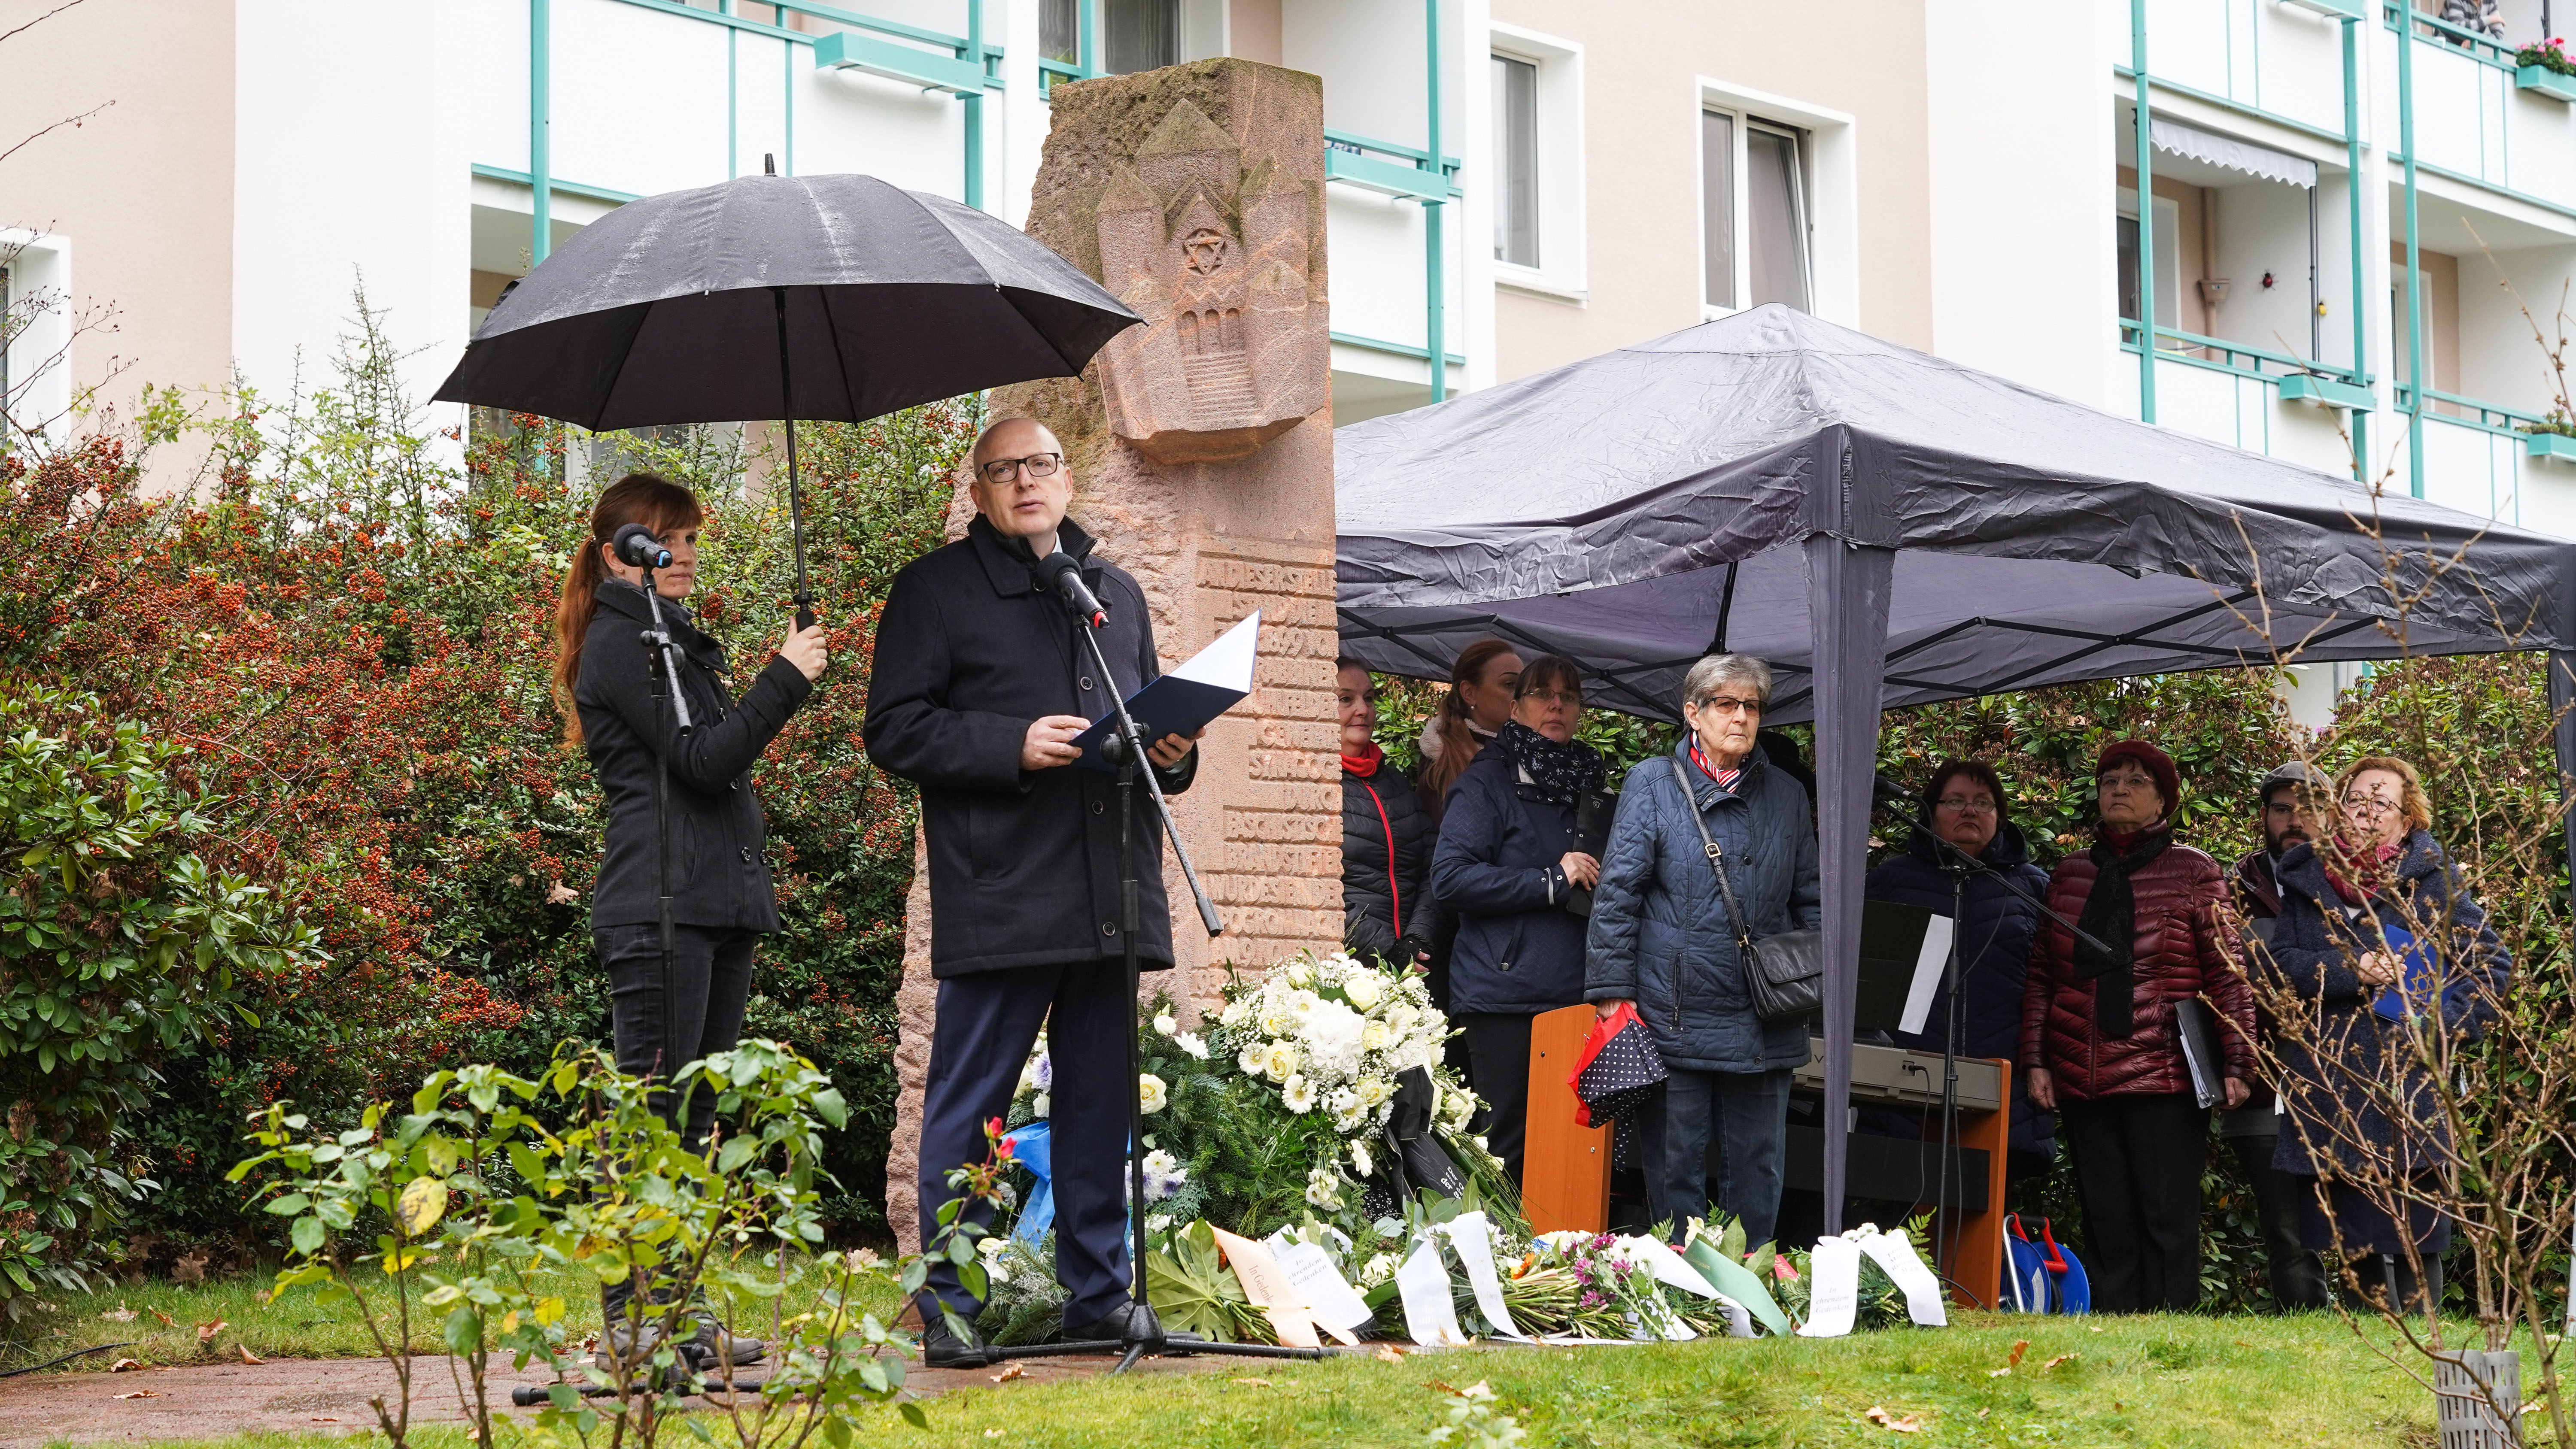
1506 860
1660 938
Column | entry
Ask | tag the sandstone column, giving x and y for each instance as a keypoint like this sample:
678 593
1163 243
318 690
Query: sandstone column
1202 451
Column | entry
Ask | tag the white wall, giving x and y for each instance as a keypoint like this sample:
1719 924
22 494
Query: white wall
342 170
2023 252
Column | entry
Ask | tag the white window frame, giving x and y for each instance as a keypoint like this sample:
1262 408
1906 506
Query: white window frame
1829 156
1561 274
40 361
2162 248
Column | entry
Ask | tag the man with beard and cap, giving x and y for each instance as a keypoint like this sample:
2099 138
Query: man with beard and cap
2294 797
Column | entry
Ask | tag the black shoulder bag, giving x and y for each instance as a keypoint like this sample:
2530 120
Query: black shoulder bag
1785 973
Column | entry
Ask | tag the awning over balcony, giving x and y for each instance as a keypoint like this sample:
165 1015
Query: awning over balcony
2231 153
1885 528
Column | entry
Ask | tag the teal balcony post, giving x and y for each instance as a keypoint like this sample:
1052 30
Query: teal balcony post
1435 280
974 193
2352 189
2146 219
541 225
2415 380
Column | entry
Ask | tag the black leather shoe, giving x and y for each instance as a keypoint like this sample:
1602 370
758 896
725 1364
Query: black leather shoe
1112 1327
943 1349
718 1347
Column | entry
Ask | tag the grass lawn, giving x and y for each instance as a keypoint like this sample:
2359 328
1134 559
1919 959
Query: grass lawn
2181 1381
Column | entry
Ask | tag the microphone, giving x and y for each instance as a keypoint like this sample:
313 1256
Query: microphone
636 547
1061 572
1884 791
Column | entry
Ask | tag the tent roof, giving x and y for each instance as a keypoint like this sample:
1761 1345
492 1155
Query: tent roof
1637 509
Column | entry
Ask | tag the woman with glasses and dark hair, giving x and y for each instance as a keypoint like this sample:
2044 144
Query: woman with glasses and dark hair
1964 805
2352 904
1663 941
1506 860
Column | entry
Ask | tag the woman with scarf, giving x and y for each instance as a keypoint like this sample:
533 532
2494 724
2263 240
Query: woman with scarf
1505 862
1386 835
2098 1036
1662 940
2350 905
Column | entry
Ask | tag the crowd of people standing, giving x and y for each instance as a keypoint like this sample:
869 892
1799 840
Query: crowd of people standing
1509 870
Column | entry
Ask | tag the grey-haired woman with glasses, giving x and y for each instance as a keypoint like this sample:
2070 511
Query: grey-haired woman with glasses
1661 939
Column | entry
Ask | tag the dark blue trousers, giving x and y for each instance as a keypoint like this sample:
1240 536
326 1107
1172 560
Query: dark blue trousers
987 1023
1747 1113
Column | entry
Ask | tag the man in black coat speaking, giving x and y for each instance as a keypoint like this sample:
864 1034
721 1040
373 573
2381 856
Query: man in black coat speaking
980 684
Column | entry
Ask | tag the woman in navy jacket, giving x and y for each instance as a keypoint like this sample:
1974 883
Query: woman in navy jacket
1505 863
1964 802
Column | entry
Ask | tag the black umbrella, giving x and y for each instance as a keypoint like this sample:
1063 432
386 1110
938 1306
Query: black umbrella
836 297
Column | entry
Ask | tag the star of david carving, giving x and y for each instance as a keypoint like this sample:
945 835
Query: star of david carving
1205 250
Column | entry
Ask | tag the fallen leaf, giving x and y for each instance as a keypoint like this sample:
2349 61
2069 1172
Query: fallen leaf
1999 1373
2061 1358
1389 1353
142 1394
559 894
1009 1373
1444 1387
190 1269
164 1317
323 1419
2118 1408
2020 1346
206 1331
1910 1424
123 1364
2240 1343
2089 1328
1256 1383
246 1355
119 1314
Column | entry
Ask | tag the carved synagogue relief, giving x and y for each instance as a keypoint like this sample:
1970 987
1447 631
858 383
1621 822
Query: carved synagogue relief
1214 255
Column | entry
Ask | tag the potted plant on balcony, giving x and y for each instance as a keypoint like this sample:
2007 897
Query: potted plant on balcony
2553 436
2545 66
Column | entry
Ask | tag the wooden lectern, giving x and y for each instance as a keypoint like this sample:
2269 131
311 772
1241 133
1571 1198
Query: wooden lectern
1566 1169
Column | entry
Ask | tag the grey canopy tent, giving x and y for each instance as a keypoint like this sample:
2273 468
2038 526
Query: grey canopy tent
1886 528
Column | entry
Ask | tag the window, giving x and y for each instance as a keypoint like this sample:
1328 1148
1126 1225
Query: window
1516 227
2168 274
1135 34
1754 226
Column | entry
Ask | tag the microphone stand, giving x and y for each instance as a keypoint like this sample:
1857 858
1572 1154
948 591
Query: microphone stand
1959 865
1125 747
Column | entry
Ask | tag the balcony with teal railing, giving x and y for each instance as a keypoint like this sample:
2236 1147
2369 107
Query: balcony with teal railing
2233 393
2477 115
2264 59
2484 457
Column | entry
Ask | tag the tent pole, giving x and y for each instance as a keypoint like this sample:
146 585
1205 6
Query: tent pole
1847 598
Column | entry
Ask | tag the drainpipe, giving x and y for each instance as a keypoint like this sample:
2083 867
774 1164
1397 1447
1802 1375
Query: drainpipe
540 124
2146 220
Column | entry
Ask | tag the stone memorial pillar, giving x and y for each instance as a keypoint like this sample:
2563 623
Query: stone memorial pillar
1202 452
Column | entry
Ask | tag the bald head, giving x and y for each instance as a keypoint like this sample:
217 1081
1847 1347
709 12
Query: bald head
1021 502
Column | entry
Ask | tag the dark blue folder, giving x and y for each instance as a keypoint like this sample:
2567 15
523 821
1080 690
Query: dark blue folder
1183 701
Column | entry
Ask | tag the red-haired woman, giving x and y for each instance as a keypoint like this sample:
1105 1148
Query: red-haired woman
722 899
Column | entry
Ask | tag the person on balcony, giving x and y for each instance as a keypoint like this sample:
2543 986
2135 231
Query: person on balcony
2099 1040
2481 16
1505 863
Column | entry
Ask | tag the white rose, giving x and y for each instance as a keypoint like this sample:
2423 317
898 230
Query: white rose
1165 1025
1298 1094
1373 1090
1364 989
1374 1037
1279 1061
1299 974
1275 1020
1234 1013
1150 1093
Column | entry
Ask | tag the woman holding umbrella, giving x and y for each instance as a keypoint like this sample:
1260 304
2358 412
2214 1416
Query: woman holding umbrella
666 1013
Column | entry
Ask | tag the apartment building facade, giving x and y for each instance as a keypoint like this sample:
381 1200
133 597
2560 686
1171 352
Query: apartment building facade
1514 184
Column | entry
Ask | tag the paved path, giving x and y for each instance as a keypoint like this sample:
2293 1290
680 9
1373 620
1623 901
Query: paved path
325 1396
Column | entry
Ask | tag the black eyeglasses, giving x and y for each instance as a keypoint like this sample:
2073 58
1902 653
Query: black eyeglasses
1040 465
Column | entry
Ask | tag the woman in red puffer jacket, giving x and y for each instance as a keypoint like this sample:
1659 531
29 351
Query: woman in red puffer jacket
2098 1040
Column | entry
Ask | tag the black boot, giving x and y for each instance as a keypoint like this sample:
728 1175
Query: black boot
941 1348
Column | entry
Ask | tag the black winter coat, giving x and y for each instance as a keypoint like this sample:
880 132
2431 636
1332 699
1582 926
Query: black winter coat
1024 867
1386 861
1994 956
1519 950
719 878
2315 943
